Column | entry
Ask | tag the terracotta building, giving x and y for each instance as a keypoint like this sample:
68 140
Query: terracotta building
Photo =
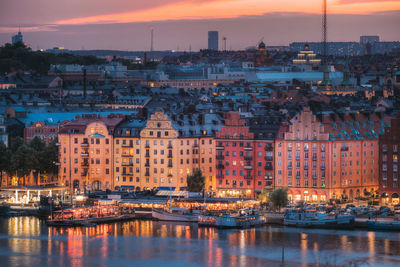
389 144
328 156
244 164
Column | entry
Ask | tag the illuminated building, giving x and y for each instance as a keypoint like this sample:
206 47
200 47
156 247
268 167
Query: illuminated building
389 144
320 157
244 164
307 57
86 152
162 152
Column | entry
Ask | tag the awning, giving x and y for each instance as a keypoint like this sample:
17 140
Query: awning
297 192
395 195
168 193
314 193
127 187
290 192
167 188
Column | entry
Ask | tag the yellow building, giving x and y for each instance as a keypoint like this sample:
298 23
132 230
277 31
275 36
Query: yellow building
161 153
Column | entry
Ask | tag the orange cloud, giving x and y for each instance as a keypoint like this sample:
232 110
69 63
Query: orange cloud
212 9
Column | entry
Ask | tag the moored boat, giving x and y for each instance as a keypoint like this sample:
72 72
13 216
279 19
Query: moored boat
175 214
245 218
385 225
314 219
89 216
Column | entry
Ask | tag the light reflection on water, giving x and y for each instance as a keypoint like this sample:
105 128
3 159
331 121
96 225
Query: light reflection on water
27 241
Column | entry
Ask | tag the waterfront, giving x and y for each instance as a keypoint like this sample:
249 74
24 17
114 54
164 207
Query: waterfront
27 241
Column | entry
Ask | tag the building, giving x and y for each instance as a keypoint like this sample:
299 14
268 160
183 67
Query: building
369 39
163 151
3 131
86 152
389 144
47 131
329 156
213 40
307 59
17 38
244 164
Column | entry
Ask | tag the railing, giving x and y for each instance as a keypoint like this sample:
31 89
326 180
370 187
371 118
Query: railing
221 157
170 156
127 145
127 164
84 144
268 167
248 148
220 166
147 164
220 176
170 165
169 145
248 167
85 164
268 158
248 177
268 148
248 157
344 148
85 154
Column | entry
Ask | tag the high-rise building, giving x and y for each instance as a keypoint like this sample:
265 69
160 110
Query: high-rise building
369 39
213 40
17 38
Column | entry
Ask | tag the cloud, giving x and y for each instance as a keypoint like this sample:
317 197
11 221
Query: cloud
345 2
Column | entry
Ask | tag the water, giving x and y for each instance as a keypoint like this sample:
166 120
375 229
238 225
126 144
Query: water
26 241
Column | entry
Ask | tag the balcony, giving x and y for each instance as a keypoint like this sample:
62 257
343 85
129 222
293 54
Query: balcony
85 164
220 157
127 164
248 177
220 166
248 148
147 155
84 154
169 175
267 177
126 155
248 167
220 176
170 165
268 167
289 148
305 148
127 145
170 146
219 147
127 173
248 157
58 144
147 146
344 148
322 167
147 174
84 173
314 158
289 167
268 148
195 145
306 167
268 158
147 164
84 144
170 156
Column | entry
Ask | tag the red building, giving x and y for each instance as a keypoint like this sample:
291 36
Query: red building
389 144
244 164
44 130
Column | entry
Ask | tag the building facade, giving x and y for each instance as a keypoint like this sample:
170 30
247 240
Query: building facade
389 144
244 164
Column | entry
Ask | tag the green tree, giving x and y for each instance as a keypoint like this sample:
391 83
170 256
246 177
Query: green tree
4 161
23 161
279 198
196 181
38 146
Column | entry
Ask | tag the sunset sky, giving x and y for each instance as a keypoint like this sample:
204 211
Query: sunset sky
125 24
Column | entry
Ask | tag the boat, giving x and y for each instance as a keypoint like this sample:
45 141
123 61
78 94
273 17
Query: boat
176 215
315 219
89 216
392 224
244 219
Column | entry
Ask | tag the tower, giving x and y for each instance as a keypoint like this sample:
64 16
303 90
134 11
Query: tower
224 39
326 82
152 40
213 40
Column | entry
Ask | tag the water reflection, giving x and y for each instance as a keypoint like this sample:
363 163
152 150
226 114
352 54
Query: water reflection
27 241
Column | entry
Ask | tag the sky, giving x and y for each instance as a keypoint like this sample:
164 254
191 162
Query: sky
180 24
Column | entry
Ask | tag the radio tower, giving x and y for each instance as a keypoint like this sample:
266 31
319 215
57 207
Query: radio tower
325 68
224 39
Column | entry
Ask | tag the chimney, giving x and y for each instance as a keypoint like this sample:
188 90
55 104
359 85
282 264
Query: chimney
84 83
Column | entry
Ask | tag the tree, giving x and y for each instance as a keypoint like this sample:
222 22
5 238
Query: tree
38 146
23 161
196 181
279 198
4 160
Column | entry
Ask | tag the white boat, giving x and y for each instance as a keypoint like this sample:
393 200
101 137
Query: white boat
244 219
312 218
176 215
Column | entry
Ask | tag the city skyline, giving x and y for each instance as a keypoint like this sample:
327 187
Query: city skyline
126 25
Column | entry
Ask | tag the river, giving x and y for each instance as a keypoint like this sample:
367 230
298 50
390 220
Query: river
27 241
